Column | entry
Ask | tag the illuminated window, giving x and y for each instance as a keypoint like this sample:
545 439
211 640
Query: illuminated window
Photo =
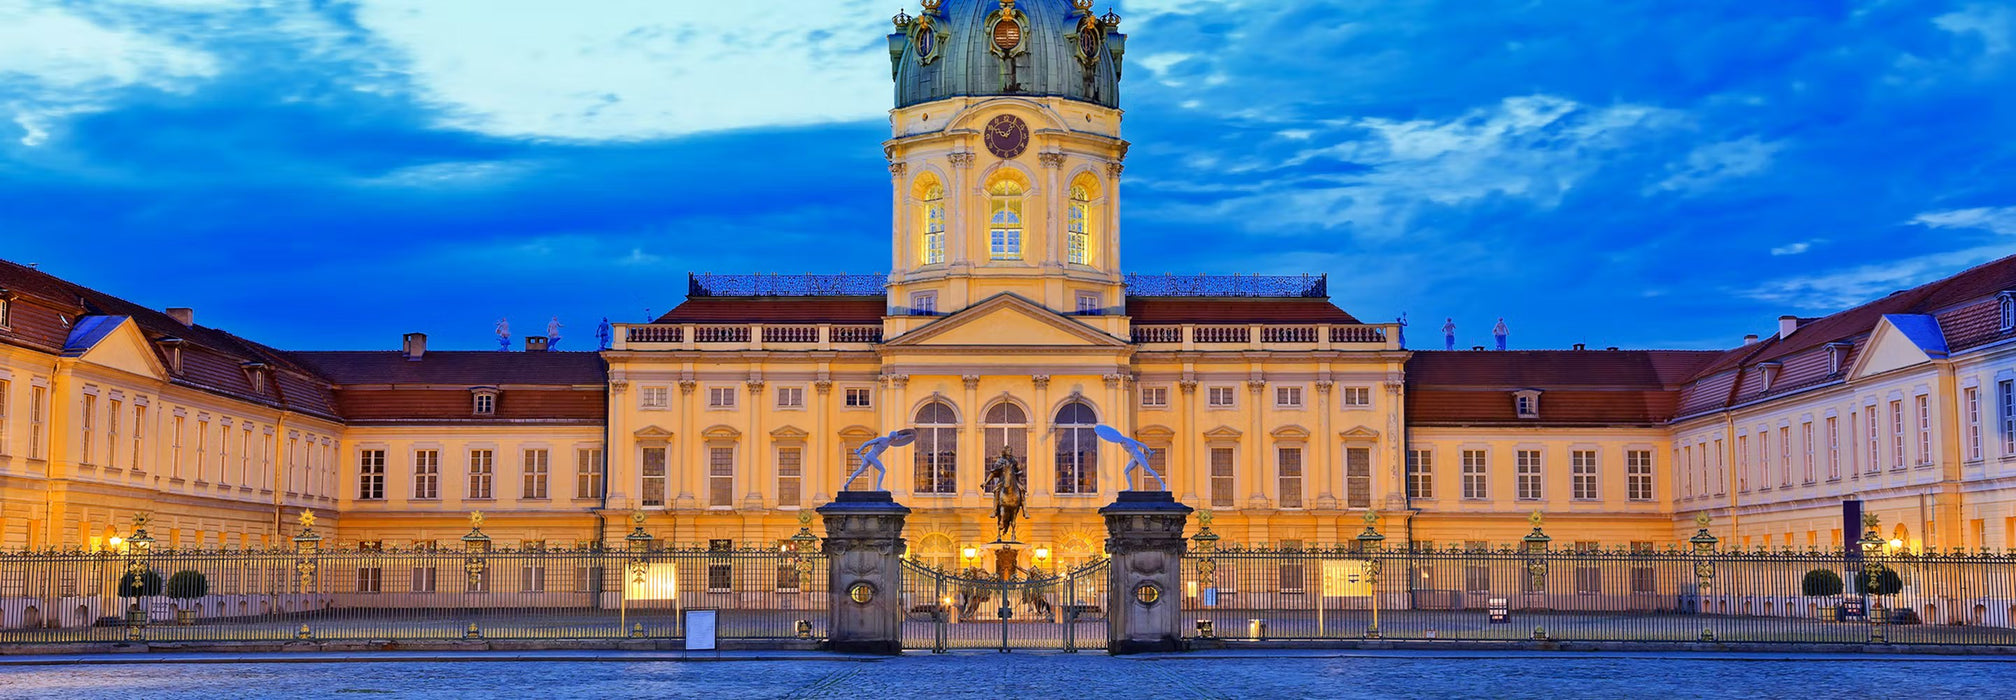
1077 449
932 212
1004 219
1079 220
937 448
1005 426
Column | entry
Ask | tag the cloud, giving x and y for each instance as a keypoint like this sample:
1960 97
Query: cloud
638 69
1827 292
2000 220
55 64
1712 164
1792 248
1993 25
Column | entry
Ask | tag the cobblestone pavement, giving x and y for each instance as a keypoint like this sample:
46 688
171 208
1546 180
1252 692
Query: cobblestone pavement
994 676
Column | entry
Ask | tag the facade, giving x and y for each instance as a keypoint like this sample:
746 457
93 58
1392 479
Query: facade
1007 323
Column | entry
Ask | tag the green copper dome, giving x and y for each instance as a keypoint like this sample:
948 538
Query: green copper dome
1032 48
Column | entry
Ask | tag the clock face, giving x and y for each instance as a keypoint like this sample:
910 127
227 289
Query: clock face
1007 136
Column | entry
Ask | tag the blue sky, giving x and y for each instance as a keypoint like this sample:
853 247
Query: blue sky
329 175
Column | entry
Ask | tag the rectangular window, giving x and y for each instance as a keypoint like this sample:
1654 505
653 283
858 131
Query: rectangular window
88 426
1582 472
537 467
859 397
1358 477
202 446
1420 474
1971 402
790 475
38 402
1806 462
482 468
1293 573
2006 390
588 472
1357 396
427 474
1785 456
720 477
1289 462
423 579
1721 470
720 577
1288 397
371 475
1743 463
654 397
1221 477
1875 452
4 395
1528 471
790 397
139 432
1477 579
652 466
1220 397
1155 397
1588 580
6 312
1897 434
1683 461
1474 485
720 397
924 304
532 579
486 404
1924 429
1088 304
1638 474
1833 449
370 579
175 450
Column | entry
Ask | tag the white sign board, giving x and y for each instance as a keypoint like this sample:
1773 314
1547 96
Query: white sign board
700 629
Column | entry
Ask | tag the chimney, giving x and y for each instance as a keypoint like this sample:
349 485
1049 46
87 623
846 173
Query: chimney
414 346
1612 348
183 315
535 343
1786 325
1750 339
1476 347
1580 346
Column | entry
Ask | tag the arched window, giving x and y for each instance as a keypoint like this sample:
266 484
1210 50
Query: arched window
1080 219
1077 449
937 448
1005 426
931 219
1004 217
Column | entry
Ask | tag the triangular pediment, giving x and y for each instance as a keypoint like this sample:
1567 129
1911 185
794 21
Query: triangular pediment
1359 433
114 342
1006 320
1900 341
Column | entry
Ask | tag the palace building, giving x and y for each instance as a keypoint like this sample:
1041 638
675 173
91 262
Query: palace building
1007 322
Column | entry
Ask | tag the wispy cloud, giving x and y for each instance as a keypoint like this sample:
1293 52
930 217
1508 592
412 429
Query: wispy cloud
2000 220
1712 164
1792 248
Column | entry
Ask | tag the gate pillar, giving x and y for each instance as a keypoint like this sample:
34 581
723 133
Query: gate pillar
864 545
1145 540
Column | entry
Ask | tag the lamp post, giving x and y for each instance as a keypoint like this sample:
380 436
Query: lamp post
638 542
475 562
1870 576
1370 542
307 553
1536 565
1205 543
138 546
800 545
1704 570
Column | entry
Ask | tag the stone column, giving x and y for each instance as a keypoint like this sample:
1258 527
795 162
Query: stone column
1145 539
864 544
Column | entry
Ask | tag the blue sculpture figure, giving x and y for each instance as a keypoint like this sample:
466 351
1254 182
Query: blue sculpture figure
504 335
1449 335
553 334
604 333
1401 331
871 451
1136 451
1499 332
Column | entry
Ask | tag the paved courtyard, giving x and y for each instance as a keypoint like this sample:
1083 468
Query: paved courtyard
992 676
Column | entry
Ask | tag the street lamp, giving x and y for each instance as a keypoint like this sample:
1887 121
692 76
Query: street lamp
1370 542
138 546
1704 570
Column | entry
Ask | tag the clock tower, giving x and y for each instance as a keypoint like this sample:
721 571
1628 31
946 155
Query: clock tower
1005 157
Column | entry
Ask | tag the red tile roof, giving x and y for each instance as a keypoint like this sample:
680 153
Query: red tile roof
465 368
1542 369
861 310
1150 310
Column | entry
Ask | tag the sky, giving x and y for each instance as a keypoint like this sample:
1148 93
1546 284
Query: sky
331 174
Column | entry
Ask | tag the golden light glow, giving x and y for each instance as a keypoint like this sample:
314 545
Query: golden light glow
972 553
660 582
1042 553
1896 544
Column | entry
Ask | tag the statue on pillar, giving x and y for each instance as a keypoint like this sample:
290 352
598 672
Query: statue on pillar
1009 482
871 451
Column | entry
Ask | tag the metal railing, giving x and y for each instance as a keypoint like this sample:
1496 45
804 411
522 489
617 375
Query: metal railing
1147 285
806 285
366 594
1268 334
974 609
790 336
1607 595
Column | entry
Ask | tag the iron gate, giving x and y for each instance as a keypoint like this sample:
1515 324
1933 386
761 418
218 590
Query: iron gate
976 610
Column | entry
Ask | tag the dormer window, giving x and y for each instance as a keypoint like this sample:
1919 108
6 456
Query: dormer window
1837 357
484 402
1527 403
1768 373
2005 304
255 373
6 308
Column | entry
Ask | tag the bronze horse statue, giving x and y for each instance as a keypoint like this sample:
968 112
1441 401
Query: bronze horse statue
1009 483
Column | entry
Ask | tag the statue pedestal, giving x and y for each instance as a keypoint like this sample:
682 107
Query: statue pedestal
1007 562
864 545
1145 539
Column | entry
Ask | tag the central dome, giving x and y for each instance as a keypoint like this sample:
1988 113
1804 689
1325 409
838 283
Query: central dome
1031 48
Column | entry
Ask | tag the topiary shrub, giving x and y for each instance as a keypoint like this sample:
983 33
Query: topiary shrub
1879 580
188 584
141 584
1821 582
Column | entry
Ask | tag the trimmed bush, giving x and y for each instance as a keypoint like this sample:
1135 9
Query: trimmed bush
143 584
1879 580
1821 582
188 584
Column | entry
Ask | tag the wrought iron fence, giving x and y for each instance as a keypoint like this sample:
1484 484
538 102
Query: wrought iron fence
369 594
806 285
974 609
1601 595
1148 285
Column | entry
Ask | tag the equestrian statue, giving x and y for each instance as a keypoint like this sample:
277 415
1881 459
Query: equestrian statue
1009 482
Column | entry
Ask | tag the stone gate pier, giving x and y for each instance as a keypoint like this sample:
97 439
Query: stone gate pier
864 544
1145 540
